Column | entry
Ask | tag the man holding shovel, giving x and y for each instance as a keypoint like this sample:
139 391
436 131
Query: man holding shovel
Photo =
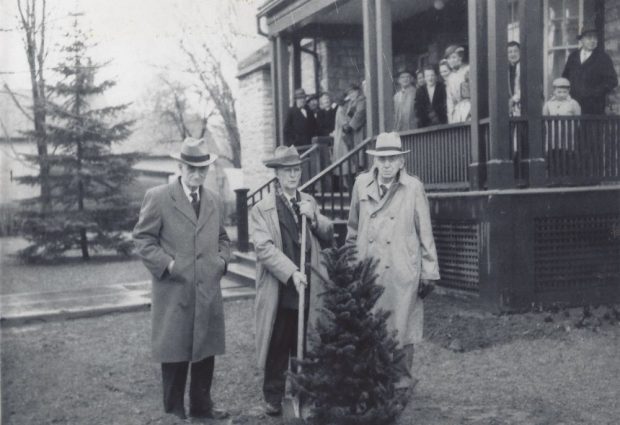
275 225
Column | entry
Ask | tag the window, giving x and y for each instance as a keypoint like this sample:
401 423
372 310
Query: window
513 20
563 20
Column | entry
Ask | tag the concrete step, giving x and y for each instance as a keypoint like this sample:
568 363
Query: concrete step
23 308
246 258
243 274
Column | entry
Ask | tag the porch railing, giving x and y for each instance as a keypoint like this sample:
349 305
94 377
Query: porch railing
439 155
582 150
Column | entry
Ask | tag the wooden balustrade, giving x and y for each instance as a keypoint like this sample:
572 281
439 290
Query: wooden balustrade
519 149
439 155
582 149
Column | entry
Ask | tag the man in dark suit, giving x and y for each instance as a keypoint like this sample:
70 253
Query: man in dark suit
327 115
430 100
297 127
591 74
182 242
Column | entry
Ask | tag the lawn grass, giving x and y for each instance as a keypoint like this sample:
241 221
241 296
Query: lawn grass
97 371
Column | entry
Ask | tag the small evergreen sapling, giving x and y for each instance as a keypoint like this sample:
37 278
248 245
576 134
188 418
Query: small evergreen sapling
349 376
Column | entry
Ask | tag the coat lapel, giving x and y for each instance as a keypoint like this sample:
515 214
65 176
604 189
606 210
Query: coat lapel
207 207
181 202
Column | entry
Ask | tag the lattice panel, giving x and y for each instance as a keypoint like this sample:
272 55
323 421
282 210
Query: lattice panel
458 248
576 252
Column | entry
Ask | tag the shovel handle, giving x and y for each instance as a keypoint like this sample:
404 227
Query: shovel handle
302 294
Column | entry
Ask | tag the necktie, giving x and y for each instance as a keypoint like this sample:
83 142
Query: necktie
384 190
195 203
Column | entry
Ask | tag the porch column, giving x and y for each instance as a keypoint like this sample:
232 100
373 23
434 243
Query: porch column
281 99
477 83
500 172
532 85
385 83
274 90
296 63
370 65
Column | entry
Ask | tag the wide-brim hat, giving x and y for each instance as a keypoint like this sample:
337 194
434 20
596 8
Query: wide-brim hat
587 29
387 144
194 152
299 94
284 156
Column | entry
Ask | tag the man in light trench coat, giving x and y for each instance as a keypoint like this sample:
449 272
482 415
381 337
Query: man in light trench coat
275 226
182 242
390 221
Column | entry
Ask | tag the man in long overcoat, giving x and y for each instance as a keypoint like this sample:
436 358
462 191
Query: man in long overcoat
591 74
390 221
182 242
275 226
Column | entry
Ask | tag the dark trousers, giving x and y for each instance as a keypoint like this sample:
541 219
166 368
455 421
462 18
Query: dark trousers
174 377
282 346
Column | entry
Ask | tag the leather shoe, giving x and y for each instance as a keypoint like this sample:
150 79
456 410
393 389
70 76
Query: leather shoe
273 409
211 413
178 413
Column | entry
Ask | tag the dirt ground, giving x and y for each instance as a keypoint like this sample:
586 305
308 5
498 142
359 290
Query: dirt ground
530 369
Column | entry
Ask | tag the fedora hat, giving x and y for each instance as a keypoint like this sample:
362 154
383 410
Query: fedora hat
194 152
284 156
299 94
388 144
587 28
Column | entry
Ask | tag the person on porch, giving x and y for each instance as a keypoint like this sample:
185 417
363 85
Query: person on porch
591 73
297 128
390 221
561 103
430 100
275 229
355 128
514 78
458 68
404 102
327 115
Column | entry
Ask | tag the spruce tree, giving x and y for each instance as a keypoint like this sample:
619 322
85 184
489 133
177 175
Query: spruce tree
349 377
89 207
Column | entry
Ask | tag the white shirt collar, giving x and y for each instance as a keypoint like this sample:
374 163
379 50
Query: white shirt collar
585 54
431 91
188 191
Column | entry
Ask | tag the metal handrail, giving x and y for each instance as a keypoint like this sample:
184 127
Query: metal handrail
336 164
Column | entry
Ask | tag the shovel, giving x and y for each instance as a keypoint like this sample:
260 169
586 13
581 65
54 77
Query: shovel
291 405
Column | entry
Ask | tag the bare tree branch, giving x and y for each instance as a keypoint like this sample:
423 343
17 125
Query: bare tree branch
17 103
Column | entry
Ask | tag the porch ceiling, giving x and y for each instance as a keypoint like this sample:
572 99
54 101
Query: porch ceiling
293 15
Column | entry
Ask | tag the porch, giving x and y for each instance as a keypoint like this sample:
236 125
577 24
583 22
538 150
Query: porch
526 210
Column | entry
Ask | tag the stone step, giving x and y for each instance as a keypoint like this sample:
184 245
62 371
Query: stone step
243 274
23 308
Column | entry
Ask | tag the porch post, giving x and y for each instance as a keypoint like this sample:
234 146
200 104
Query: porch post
532 85
282 84
370 65
296 63
477 63
500 172
385 82
274 91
